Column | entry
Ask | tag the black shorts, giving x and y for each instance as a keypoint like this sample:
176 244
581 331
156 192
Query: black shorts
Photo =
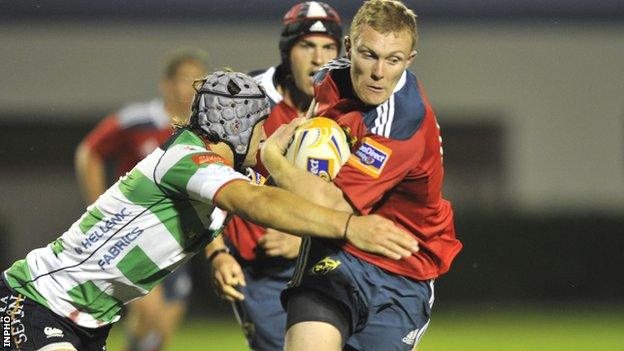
27 325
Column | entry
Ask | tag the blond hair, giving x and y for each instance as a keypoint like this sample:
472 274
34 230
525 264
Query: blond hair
385 16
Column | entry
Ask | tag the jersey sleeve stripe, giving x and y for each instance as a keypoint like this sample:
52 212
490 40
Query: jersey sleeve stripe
223 186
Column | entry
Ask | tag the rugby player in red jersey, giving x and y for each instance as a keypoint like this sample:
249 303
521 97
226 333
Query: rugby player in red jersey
261 261
341 297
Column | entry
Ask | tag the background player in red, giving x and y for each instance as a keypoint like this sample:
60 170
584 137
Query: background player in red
310 38
123 139
341 296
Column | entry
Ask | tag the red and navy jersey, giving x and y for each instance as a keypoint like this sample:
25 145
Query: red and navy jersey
242 234
129 135
395 169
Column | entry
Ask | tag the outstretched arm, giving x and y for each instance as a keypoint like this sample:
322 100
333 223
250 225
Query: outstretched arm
282 210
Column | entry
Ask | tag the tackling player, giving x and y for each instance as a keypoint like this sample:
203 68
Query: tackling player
340 295
124 138
311 36
66 295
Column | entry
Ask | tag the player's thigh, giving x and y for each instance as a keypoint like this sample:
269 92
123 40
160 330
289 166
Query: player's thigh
397 318
313 336
315 319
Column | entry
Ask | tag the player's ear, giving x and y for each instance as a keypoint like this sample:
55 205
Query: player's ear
347 46
411 57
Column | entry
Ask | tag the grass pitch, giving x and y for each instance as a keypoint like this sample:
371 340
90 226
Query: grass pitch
461 331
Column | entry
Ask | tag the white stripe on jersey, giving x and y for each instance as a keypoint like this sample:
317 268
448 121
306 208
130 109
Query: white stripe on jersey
205 183
382 117
388 127
401 82
385 111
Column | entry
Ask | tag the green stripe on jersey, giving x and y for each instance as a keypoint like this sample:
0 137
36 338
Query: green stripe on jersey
179 217
91 218
140 269
189 138
57 246
177 177
95 302
19 279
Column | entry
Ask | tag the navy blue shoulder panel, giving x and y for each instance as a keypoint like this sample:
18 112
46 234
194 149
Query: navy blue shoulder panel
401 116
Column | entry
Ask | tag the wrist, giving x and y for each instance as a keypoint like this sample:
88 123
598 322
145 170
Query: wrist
276 165
346 227
211 257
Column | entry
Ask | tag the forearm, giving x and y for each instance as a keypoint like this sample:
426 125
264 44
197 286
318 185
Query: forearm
307 185
91 174
279 209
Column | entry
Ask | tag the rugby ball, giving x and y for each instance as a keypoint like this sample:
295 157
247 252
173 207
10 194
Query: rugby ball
320 147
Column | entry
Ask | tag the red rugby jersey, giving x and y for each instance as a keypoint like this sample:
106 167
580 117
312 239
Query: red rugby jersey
127 136
395 169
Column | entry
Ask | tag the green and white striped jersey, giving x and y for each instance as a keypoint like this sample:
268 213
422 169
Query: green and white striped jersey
146 225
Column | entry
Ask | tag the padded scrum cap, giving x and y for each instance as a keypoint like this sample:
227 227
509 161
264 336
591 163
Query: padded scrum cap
227 107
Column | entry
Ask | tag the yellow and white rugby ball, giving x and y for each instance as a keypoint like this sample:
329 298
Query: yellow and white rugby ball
320 147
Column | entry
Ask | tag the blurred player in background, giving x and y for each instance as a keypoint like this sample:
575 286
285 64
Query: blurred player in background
341 297
311 37
123 139
66 296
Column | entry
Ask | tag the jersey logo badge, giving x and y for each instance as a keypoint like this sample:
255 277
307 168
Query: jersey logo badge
319 167
325 266
53 332
255 177
201 159
371 157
